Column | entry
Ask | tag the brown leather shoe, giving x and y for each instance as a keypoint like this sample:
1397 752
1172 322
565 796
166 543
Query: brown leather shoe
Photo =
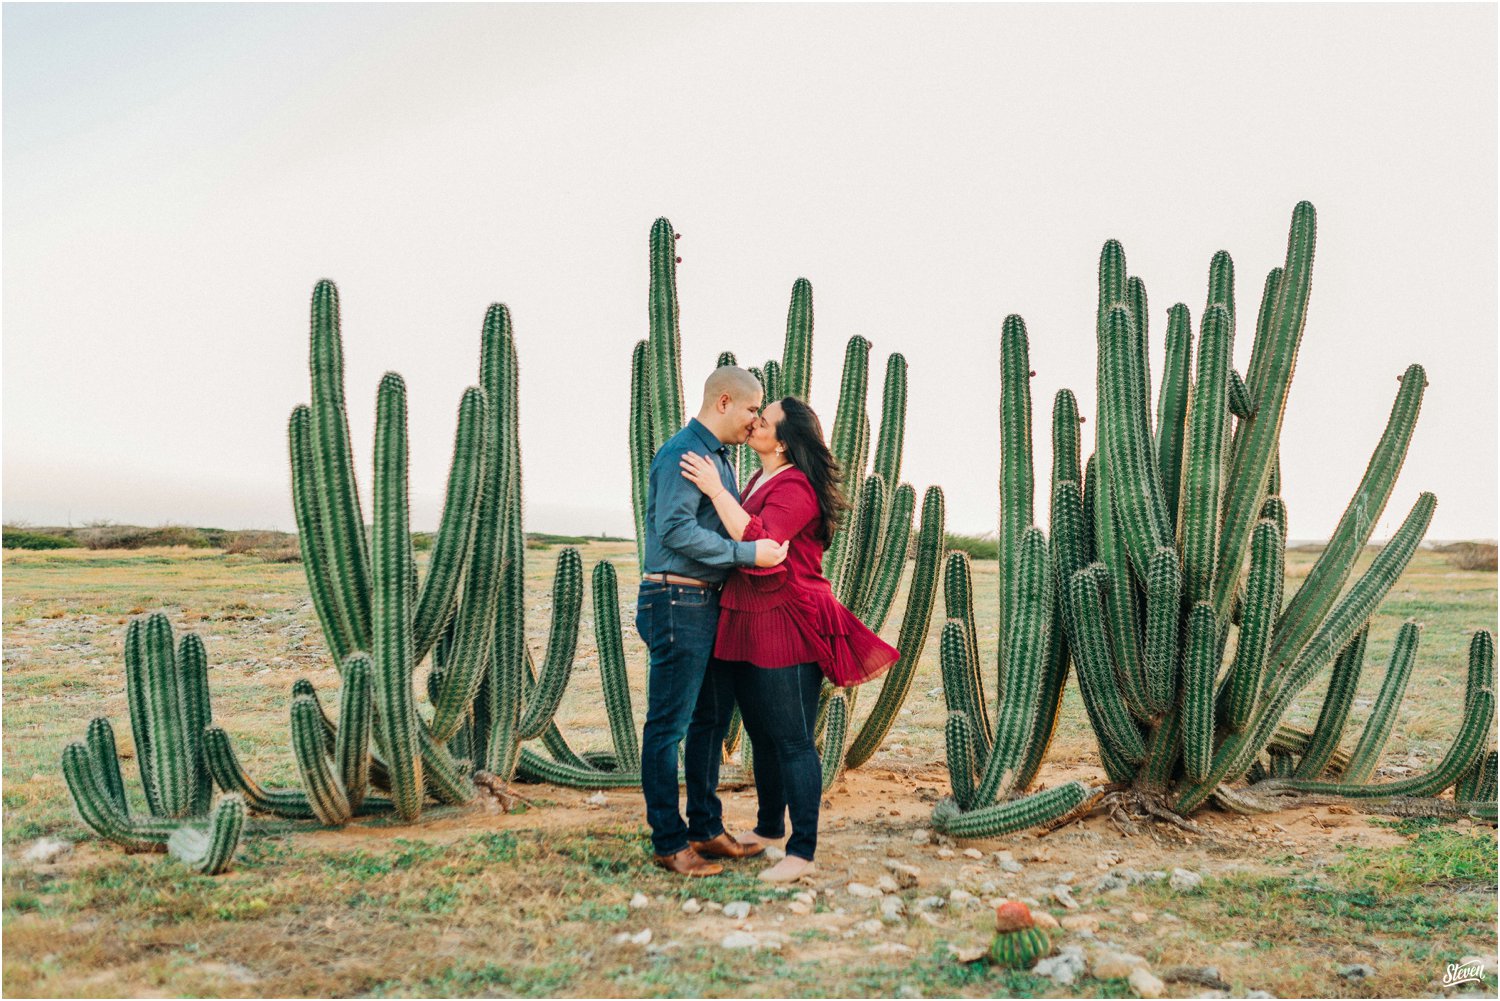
725 846
687 863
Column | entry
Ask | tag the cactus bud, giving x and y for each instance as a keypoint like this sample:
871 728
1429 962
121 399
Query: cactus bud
1012 915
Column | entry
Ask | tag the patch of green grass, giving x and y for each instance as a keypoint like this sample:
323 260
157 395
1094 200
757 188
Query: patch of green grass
1435 856
20 539
486 980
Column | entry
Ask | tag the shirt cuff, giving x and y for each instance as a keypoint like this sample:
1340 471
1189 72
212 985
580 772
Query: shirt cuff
744 554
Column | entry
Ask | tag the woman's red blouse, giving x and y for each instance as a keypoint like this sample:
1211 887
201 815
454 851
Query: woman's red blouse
785 615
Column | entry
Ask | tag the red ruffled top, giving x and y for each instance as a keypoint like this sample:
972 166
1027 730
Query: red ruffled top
785 615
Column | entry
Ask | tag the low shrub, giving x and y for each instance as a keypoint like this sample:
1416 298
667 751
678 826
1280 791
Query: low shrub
979 547
19 538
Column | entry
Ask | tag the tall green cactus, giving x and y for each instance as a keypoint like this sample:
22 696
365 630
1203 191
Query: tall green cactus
1148 556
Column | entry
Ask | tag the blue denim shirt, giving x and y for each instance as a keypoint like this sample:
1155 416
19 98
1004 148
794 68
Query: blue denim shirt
683 532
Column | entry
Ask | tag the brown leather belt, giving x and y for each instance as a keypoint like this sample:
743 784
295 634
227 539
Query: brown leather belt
672 578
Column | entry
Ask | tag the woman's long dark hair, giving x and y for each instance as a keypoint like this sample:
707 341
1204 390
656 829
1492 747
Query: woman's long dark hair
802 434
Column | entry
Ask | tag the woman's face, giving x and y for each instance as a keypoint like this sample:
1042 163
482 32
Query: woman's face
763 434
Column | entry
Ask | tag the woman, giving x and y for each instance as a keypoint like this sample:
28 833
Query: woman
781 628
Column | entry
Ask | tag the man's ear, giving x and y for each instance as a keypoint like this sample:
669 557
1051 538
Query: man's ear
724 403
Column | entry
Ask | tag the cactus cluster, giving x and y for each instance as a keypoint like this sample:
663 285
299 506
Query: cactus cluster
166 688
1163 579
869 553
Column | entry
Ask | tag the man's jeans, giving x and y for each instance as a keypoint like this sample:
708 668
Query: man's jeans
691 696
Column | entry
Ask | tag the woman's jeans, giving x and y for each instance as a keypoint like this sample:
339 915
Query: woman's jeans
689 695
779 706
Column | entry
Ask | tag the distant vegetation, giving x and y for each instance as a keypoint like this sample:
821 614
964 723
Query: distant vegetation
1470 555
979 547
272 546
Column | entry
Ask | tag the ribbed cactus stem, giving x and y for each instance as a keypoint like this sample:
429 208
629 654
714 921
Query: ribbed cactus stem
835 736
533 767
864 544
320 779
391 655
1016 477
612 677
1256 450
665 342
796 356
562 641
1323 583
210 852
1163 613
100 742
771 376
453 545
915 623
1246 678
1204 463
958 738
1135 486
845 443
1342 684
642 442
1096 669
892 440
1172 403
1199 662
1010 816
1467 746
337 494
1382 718
101 813
1236 753
1025 653
886 576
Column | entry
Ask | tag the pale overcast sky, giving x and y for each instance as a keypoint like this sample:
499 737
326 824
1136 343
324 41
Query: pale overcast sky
176 178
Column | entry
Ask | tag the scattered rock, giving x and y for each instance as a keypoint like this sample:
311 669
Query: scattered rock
598 799
1356 972
638 901
1139 917
921 836
1063 895
1116 965
1208 976
1064 968
45 851
905 874
691 906
798 907
1110 883
641 937
1145 984
945 853
908 990
862 890
958 898
712 905
740 940
968 952
804 897
775 853
890 949
737 910
1081 922
930 903
988 888
892 907
229 971
887 884
973 853
867 928
1262 995
1185 881
1044 919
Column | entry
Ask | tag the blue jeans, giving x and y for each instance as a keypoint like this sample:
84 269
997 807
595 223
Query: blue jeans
780 709
690 699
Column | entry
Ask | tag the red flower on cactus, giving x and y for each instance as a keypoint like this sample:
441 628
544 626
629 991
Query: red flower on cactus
1012 915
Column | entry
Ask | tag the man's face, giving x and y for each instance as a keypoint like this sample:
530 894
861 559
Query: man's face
742 415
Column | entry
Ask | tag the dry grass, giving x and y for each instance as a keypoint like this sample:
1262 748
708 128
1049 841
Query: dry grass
476 903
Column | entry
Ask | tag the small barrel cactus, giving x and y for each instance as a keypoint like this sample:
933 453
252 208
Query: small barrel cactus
1018 942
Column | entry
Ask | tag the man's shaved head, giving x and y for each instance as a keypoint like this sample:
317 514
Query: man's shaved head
727 380
731 404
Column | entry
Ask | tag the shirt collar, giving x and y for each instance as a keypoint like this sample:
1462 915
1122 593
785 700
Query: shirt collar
709 439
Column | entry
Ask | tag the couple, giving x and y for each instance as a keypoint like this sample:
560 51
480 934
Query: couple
734 608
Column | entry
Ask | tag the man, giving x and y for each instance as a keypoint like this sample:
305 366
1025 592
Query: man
688 556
